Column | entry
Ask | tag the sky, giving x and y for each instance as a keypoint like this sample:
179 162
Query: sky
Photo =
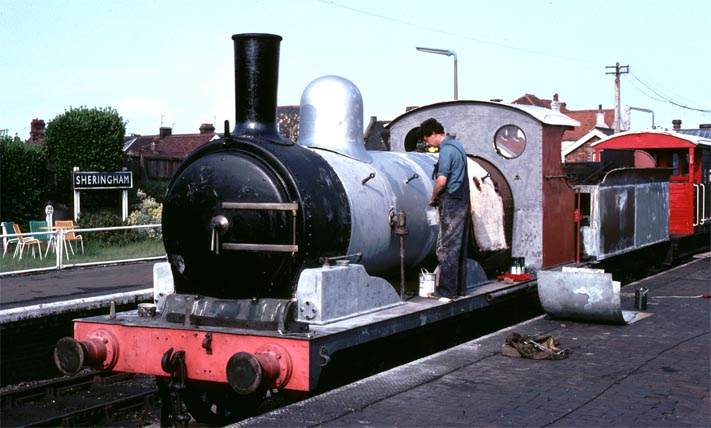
171 62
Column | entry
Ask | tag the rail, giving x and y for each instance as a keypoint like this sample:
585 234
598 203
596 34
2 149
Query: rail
87 399
88 253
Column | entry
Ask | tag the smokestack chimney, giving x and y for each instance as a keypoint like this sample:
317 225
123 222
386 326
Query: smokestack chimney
256 80
676 124
555 105
165 131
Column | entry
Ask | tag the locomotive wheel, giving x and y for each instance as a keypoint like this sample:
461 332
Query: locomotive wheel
218 405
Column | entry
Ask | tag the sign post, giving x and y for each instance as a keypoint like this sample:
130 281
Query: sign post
86 180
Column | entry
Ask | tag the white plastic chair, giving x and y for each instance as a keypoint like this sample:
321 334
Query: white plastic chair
7 229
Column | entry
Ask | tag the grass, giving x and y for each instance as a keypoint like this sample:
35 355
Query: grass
93 253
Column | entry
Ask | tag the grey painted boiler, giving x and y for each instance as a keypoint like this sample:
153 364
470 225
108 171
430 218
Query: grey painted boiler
376 183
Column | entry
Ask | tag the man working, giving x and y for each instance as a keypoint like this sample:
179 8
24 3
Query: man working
451 195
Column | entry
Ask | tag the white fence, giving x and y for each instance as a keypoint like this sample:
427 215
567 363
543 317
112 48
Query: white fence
63 250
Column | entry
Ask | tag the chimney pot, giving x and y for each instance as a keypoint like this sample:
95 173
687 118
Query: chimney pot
37 128
165 131
207 128
705 126
600 118
676 124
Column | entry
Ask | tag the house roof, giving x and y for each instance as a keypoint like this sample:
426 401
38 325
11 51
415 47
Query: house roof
587 118
701 132
169 147
179 146
570 146
588 121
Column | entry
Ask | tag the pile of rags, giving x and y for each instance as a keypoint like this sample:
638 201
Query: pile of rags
534 347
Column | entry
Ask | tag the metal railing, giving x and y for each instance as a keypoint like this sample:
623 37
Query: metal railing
59 247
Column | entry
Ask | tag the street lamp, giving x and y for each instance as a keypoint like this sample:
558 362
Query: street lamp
448 53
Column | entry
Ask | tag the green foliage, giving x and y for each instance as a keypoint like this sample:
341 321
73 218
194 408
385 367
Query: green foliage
154 188
91 139
24 185
106 238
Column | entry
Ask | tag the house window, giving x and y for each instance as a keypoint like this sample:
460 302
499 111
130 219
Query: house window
509 141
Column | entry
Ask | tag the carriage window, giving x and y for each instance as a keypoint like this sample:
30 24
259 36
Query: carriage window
680 163
675 163
509 141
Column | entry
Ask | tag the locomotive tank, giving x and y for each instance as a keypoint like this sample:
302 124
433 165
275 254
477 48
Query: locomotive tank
378 184
244 215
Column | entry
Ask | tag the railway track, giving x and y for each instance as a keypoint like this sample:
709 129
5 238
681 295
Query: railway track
87 399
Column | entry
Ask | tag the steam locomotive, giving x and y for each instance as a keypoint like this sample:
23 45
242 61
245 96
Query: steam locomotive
281 255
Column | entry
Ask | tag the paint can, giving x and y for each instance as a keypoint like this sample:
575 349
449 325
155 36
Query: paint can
640 299
432 216
146 310
427 282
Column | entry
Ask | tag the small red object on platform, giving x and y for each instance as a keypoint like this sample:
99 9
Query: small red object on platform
515 277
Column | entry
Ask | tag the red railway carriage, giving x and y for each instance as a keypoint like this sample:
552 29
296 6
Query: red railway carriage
689 158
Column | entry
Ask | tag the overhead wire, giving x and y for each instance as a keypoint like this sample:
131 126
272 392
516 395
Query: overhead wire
661 97
448 33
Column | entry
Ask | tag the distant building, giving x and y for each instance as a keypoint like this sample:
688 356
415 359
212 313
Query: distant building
37 128
594 125
704 129
157 157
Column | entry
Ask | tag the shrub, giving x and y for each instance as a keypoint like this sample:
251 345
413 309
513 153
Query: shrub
88 138
106 238
154 188
148 211
23 179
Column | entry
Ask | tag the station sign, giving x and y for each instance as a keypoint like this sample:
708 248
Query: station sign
86 180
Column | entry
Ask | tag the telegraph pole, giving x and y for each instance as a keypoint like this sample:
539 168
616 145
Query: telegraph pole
619 69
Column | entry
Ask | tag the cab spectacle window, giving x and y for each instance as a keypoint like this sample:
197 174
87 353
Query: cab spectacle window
509 141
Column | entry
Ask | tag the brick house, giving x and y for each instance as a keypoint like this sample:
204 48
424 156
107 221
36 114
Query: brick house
594 126
157 157
37 128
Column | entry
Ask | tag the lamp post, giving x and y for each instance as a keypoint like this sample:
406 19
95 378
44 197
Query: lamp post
448 53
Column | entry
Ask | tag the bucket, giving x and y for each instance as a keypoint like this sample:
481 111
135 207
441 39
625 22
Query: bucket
640 299
427 282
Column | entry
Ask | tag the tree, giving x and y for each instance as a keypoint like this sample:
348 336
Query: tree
91 139
24 185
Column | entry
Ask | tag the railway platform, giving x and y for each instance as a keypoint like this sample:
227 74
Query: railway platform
36 309
654 372
43 293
